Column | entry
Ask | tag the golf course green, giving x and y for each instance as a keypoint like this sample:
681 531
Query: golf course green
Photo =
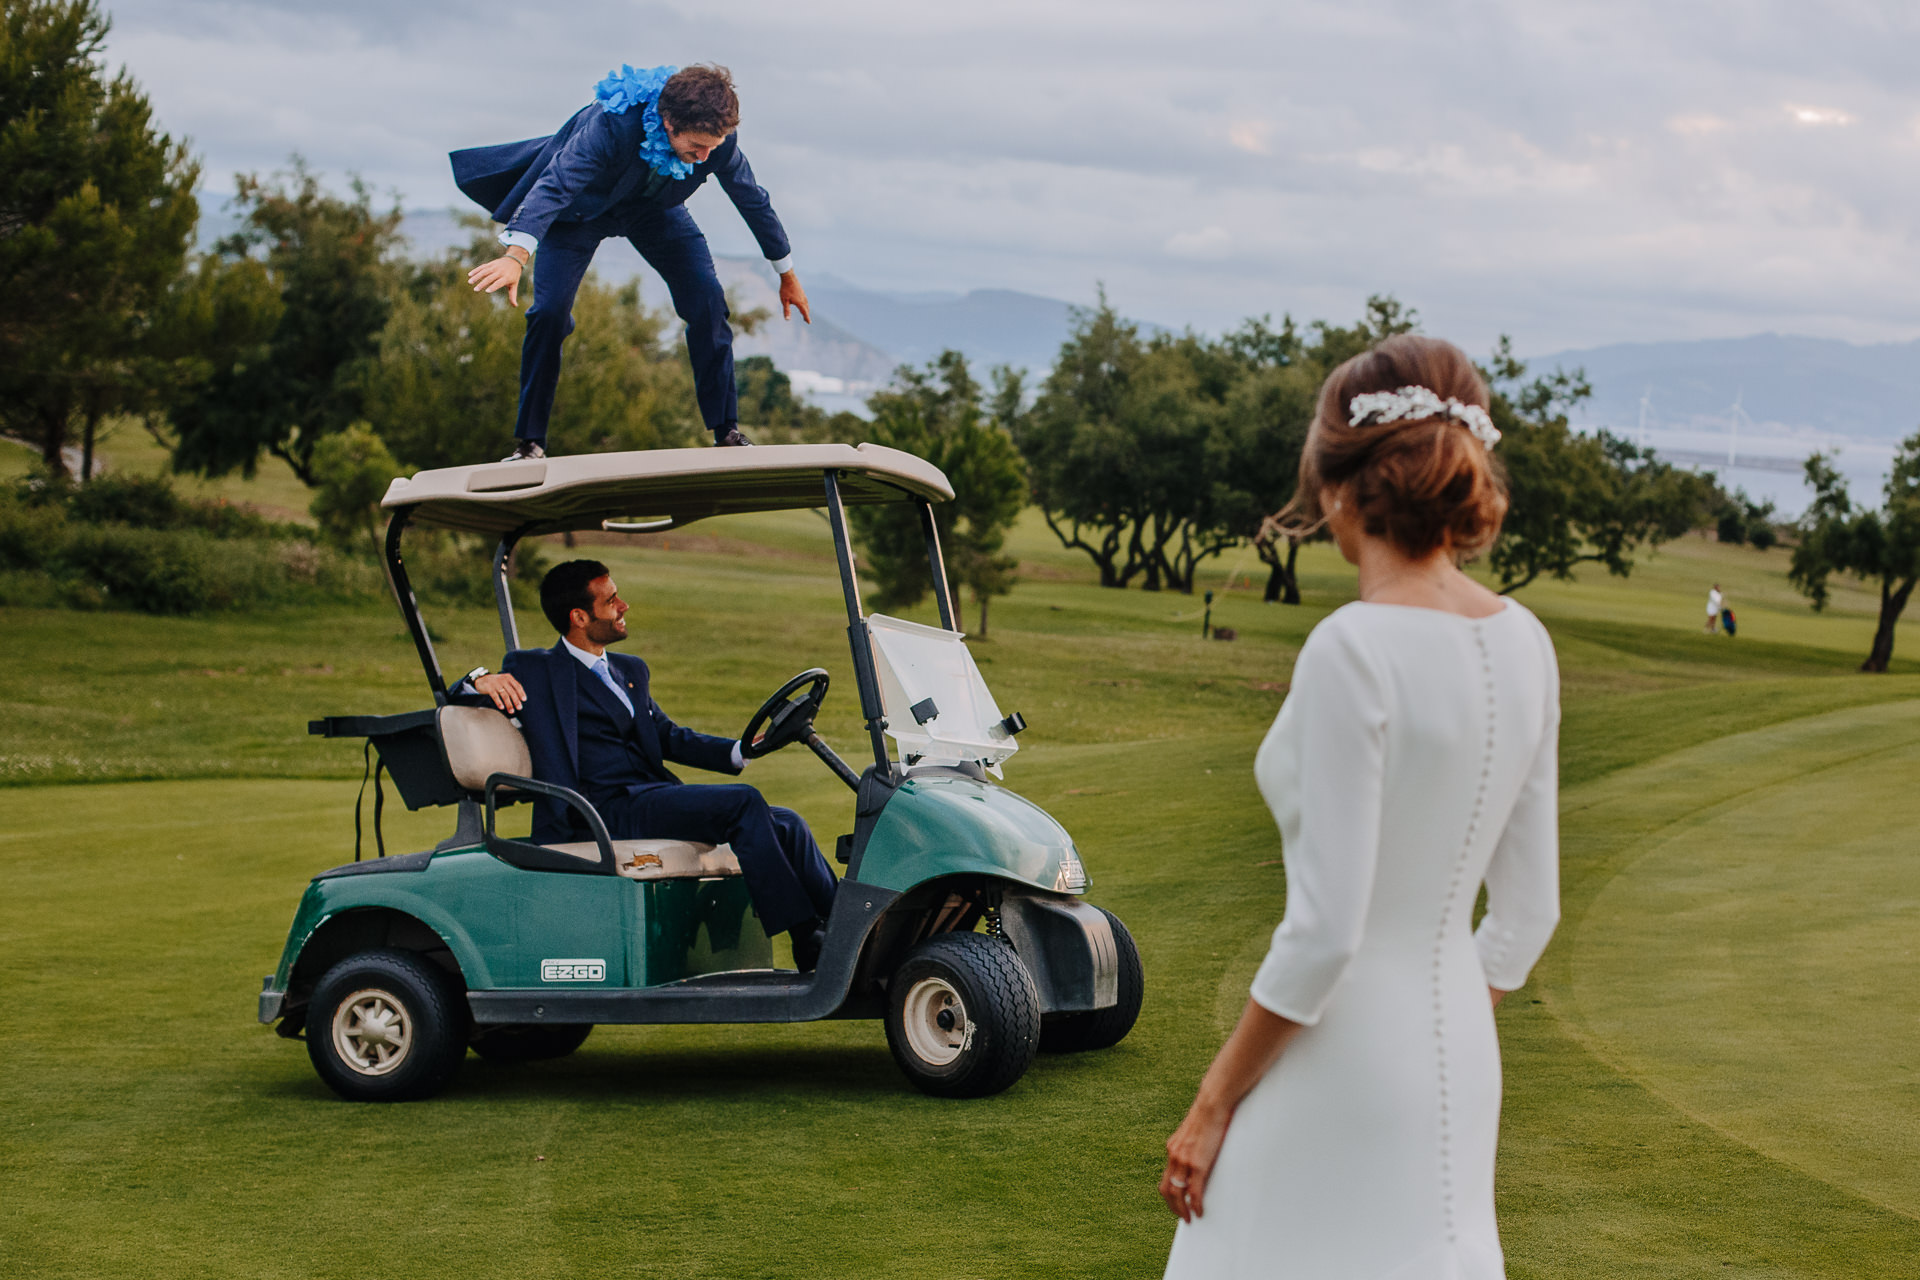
1715 1071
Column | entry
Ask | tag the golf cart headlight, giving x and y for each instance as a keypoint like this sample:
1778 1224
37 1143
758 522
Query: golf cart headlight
1072 877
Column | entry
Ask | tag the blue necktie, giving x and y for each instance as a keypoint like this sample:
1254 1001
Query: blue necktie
601 669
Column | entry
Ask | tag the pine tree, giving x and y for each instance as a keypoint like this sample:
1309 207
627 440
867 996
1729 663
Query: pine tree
96 214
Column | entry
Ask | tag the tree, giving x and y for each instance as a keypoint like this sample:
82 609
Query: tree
1255 457
1153 455
937 413
443 384
1115 444
96 212
1573 498
1837 537
352 470
330 260
1742 519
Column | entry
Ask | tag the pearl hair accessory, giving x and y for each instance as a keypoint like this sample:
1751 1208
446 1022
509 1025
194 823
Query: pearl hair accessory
1376 408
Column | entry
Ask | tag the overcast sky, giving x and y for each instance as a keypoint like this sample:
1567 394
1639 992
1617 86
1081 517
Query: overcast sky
1572 173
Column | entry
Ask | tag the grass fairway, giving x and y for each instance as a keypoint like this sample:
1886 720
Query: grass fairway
1712 1074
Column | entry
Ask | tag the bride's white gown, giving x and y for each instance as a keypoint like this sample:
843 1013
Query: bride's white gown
1415 757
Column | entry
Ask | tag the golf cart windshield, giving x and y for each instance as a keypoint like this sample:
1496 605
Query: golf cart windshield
938 707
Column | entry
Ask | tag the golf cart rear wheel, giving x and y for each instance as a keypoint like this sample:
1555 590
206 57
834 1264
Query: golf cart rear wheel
963 1018
1103 1028
518 1043
386 1026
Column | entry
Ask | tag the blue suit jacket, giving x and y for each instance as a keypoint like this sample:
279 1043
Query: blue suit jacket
593 165
550 723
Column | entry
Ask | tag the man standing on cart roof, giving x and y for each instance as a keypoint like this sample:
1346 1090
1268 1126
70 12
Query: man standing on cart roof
625 165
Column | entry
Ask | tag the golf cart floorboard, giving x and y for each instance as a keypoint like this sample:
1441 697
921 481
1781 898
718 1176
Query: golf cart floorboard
754 995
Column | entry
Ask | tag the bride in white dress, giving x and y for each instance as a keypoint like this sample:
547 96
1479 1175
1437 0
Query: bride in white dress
1347 1129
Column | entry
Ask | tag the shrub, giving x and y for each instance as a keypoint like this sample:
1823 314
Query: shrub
353 470
31 534
152 570
145 502
131 542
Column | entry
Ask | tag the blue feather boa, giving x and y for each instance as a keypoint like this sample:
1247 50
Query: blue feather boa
627 88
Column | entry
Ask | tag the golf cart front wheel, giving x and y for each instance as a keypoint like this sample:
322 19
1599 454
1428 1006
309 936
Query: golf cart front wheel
517 1043
386 1026
963 1018
1102 1028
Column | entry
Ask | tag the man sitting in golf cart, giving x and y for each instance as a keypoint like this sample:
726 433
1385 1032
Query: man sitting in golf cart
591 725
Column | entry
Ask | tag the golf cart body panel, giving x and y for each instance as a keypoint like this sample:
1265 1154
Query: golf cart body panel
952 883
949 824
506 929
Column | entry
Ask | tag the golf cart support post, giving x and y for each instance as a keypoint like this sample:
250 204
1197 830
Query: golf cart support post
936 851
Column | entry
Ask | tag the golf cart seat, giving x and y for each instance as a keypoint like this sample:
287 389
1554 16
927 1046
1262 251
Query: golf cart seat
480 742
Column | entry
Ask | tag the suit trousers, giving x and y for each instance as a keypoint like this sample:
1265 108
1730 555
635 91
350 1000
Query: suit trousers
788 878
672 245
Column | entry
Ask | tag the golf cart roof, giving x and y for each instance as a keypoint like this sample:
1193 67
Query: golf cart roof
658 488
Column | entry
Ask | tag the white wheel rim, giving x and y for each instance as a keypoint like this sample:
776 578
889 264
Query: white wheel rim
932 1043
372 1031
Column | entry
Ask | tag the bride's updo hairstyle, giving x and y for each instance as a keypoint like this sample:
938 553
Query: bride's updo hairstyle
1421 482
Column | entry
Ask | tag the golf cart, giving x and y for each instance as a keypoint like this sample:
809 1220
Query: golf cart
960 918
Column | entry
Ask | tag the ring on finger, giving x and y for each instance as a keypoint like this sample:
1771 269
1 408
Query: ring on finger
1180 1183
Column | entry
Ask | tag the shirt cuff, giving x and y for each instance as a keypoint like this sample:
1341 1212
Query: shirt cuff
521 240
781 265
739 761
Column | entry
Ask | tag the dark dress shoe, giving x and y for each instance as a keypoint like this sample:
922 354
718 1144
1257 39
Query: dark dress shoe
526 451
807 939
733 437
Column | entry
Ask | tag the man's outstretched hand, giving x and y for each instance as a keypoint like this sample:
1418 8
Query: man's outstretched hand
792 296
502 273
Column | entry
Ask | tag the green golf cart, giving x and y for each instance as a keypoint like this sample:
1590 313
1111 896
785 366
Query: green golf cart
961 918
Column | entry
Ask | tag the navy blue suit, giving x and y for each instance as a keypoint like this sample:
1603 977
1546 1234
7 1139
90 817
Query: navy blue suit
587 183
582 738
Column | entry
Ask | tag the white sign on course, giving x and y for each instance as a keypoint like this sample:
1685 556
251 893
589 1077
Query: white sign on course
937 704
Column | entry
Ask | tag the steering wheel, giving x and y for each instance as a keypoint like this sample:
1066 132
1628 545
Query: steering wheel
784 718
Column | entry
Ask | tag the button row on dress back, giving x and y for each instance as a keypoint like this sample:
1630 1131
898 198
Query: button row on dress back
1440 939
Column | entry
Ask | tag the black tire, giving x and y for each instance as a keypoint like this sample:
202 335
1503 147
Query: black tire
1103 1028
395 995
536 1043
963 1018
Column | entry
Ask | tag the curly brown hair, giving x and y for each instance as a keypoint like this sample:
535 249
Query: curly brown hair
1422 483
700 99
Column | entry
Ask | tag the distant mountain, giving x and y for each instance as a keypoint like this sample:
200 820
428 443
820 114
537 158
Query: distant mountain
858 336
992 326
1785 385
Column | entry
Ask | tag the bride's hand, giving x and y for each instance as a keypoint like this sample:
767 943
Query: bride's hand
1254 1046
1191 1152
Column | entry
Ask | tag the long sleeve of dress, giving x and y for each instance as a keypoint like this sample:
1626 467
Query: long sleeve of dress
1342 720
1523 879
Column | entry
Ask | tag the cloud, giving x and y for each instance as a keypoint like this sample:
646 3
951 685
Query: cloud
1819 115
1250 136
1584 172
1209 244
1696 126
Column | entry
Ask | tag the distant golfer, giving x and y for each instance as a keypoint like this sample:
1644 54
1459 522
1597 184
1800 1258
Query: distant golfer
625 165
1714 601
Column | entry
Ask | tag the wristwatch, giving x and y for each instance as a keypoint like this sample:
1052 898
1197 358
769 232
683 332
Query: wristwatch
473 675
